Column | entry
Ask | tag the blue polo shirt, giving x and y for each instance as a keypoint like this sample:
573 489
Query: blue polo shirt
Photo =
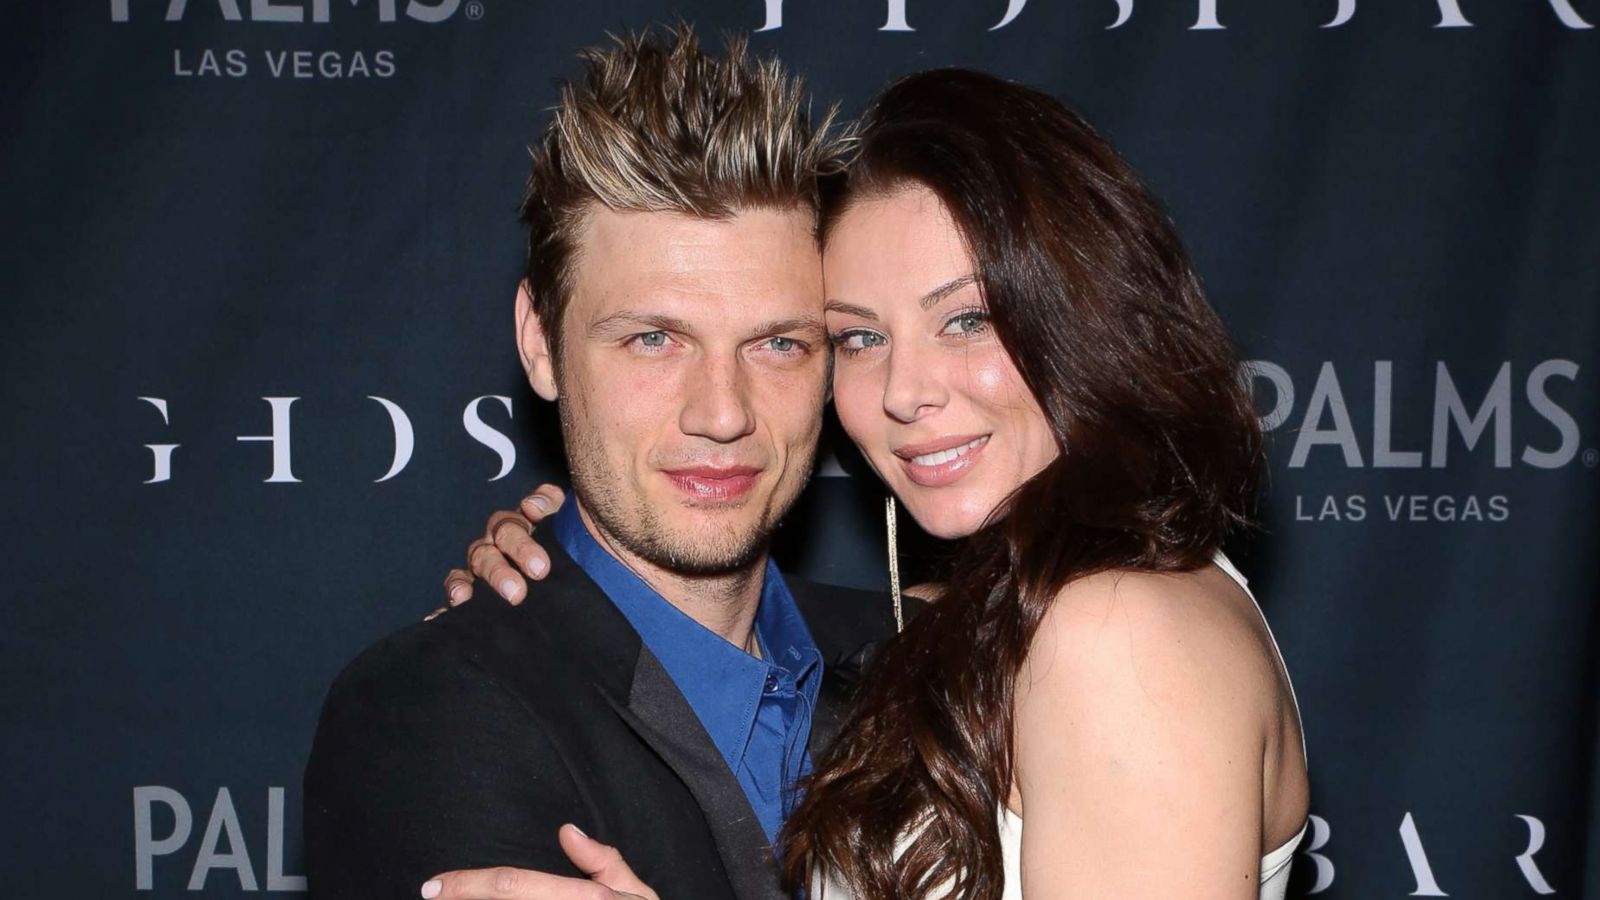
757 711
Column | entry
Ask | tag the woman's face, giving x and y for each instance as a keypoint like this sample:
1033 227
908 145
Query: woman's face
920 381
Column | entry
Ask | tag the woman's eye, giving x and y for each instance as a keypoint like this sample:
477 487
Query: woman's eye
967 323
857 341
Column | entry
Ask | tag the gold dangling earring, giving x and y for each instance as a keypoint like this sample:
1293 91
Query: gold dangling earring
894 566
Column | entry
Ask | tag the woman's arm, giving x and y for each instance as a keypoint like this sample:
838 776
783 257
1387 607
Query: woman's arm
507 537
1141 734
508 551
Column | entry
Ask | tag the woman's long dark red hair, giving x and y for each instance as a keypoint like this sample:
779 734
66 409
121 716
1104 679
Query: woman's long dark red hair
1091 294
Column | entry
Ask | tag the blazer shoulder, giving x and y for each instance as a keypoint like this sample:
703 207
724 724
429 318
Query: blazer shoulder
457 650
399 656
425 760
419 666
564 632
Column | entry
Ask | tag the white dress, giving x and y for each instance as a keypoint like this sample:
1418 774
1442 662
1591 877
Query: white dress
1274 879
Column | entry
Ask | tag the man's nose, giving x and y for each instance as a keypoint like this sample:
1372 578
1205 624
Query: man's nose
911 388
717 405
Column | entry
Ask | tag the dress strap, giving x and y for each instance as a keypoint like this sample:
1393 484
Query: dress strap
1227 566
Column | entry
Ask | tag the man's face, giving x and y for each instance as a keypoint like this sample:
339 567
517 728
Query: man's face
692 375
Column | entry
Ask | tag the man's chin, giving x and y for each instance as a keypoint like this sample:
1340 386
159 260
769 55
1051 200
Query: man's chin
703 551
701 536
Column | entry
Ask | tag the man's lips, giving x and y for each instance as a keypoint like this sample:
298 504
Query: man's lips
714 482
941 461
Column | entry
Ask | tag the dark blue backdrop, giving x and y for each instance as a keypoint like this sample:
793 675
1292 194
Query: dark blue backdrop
218 205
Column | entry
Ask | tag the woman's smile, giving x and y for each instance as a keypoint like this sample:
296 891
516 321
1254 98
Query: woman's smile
943 461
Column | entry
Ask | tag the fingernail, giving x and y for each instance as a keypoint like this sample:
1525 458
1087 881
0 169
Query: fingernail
536 566
431 889
542 502
580 831
508 587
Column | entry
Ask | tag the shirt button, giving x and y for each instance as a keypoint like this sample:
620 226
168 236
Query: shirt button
772 682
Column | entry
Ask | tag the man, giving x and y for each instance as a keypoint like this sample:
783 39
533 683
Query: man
664 687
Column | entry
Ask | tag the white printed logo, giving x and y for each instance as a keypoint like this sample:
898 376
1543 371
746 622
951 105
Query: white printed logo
1334 426
1326 420
280 438
1450 15
223 827
293 10
284 64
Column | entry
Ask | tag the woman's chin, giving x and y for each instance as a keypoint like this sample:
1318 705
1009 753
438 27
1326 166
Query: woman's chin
943 522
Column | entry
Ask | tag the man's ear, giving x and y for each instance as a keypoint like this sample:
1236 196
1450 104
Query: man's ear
533 345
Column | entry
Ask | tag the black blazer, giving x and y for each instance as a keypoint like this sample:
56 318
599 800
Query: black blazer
467 741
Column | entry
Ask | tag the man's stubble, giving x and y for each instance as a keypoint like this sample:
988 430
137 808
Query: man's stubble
635 526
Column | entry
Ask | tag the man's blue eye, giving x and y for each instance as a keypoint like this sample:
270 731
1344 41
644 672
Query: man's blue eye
783 344
654 339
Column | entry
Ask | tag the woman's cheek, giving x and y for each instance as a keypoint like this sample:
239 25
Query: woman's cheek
858 399
992 377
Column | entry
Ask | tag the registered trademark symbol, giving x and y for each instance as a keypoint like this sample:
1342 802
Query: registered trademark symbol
1591 457
474 10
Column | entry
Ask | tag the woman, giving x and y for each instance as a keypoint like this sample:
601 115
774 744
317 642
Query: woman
1024 355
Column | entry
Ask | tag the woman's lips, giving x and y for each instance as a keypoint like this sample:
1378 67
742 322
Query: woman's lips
941 462
712 483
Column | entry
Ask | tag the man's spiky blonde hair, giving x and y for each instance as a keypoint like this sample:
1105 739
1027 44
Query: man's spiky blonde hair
656 124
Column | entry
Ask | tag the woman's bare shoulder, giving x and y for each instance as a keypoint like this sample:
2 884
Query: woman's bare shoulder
1168 639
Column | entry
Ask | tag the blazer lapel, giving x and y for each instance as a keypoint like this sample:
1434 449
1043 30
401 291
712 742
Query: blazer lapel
657 711
848 626
839 679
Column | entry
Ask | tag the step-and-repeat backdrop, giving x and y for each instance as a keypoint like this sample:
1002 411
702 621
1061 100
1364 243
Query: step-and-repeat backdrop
259 267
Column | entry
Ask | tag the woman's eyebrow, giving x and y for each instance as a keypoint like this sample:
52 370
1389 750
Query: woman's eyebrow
928 300
933 297
850 309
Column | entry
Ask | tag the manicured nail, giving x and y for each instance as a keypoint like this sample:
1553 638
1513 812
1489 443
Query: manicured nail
536 566
507 587
542 502
431 889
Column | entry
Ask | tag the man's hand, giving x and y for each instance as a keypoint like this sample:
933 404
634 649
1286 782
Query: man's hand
508 537
609 877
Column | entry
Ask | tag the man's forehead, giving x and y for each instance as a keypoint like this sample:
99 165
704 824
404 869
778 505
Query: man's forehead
729 306
606 232
754 262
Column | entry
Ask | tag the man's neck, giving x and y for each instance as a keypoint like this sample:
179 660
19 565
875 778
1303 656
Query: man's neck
724 603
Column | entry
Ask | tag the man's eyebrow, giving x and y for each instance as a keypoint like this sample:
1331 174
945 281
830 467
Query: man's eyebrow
850 309
933 297
629 321
626 322
809 325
